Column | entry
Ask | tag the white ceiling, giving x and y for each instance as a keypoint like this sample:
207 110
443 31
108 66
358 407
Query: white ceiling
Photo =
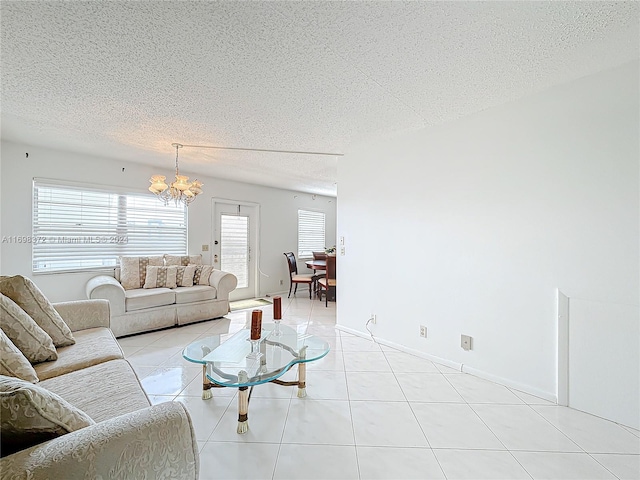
127 79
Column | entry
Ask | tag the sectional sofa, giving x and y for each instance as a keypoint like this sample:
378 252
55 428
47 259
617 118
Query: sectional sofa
149 293
86 410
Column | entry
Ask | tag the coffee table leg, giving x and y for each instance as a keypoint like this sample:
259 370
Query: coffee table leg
302 373
243 404
206 385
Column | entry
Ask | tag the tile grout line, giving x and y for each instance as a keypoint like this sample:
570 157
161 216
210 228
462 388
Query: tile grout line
488 427
353 426
566 435
414 413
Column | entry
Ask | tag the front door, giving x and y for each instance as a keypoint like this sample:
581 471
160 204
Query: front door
235 240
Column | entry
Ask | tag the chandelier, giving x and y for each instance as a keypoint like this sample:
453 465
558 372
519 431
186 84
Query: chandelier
180 190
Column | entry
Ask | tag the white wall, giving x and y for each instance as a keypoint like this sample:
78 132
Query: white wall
278 212
469 228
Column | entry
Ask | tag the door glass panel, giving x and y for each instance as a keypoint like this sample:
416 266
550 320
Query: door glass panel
234 247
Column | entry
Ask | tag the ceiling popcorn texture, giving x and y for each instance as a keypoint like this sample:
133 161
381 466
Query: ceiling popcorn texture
127 79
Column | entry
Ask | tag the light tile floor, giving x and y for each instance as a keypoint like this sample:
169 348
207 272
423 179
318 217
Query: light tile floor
373 412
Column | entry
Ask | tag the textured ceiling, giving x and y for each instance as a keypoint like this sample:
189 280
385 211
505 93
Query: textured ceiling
126 79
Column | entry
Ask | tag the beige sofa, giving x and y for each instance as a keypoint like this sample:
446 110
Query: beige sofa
136 310
131 439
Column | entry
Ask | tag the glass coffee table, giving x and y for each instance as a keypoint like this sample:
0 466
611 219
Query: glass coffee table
228 364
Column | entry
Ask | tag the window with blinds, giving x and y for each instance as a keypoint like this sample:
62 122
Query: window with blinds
310 233
82 228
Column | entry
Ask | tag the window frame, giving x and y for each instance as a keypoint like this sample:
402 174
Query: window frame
99 239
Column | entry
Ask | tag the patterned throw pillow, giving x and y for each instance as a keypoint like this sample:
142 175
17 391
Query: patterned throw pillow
182 260
158 277
30 414
185 276
30 299
13 363
203 272
133 270
24 332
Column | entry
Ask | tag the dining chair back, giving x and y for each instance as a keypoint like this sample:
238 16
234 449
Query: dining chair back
294 277
329 283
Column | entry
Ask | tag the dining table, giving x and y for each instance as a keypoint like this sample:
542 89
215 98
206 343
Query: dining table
316 264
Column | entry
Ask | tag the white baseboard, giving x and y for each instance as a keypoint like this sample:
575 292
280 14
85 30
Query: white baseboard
457 366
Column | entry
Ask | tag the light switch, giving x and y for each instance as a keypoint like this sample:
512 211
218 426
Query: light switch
205 248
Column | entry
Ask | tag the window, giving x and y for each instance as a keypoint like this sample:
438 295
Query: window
310 233
76 227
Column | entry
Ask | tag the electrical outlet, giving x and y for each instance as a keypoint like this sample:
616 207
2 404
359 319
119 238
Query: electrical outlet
373 318
423 331
466 342
205 248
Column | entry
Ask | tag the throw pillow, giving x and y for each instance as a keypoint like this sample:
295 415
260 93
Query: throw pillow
30 299
133 270
158 277
13 363
203 272
24 332
29 415
185 276
182 260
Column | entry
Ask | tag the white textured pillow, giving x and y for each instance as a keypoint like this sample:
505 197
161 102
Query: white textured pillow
29 298
203 272
30 414
34 343
133 270
185 276
158 277
182 260
13 363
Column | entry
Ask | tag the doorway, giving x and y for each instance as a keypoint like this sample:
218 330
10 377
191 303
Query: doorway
235 240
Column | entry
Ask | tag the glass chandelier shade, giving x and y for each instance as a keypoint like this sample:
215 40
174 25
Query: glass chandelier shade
180 190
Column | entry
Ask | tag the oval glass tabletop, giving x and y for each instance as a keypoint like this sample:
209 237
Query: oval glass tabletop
227 362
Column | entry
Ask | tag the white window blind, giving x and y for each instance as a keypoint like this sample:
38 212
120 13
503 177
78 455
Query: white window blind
234 251
79 228
310 233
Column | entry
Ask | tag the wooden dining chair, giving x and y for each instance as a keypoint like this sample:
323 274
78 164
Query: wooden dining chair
328 284
295 278
318 273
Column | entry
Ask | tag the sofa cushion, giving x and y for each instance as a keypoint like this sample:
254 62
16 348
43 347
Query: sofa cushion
93 346
30 299
146 298
13 363
31 414
183 260
133 270
119 390
158 277
185 276
197 293
35 344
203 272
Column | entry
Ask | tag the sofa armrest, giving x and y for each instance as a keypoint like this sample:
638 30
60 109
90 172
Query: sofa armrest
156 442
83 314
224 283
107 288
